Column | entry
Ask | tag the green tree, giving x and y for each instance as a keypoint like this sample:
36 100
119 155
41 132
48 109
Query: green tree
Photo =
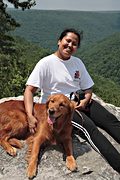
7 23
10 66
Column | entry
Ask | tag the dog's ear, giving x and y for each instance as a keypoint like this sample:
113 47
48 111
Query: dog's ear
72 108
47 102
72 105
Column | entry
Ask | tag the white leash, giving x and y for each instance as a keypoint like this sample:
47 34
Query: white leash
86 133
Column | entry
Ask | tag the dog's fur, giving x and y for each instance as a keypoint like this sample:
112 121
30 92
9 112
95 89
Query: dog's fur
54 125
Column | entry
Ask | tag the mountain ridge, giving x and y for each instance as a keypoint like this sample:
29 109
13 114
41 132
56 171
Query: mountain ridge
48 24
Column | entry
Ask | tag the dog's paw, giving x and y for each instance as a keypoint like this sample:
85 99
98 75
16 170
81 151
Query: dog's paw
31 171
15 143
12 151
71 163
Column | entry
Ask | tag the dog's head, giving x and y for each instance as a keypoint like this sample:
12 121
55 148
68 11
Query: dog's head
59 106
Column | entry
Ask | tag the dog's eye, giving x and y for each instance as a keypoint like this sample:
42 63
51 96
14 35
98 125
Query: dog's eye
62 104
52 101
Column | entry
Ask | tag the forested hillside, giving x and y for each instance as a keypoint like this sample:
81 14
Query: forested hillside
103 62
100 48
103 57
15 67
43 27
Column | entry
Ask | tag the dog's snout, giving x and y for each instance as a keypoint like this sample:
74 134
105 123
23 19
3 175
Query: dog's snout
51 111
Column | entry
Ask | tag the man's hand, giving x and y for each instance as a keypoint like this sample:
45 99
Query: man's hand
32 122
84 102
82 105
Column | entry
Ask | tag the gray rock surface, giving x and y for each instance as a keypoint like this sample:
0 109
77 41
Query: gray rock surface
91 166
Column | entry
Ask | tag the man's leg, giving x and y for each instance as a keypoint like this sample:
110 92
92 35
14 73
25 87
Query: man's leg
99 141
105 120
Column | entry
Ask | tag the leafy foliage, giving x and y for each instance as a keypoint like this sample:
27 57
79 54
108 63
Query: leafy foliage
25 4
48 24
103 62
10 62
7 23
108 90
15 68
101 56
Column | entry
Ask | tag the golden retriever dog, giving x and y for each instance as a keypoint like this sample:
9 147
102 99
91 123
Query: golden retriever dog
54 125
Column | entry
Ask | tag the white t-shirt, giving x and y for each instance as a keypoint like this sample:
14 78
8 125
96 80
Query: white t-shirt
54 75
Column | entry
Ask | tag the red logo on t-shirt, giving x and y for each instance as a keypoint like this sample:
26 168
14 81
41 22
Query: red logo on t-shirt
77 75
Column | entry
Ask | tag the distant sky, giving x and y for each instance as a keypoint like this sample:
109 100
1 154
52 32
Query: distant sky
87 5
82 5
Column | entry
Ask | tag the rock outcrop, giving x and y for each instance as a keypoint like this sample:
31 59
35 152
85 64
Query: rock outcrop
91 166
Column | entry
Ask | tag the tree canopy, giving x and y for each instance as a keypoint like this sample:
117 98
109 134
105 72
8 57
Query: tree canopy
9 52
25 4
7 23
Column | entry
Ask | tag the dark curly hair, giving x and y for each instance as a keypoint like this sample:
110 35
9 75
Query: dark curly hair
79 34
